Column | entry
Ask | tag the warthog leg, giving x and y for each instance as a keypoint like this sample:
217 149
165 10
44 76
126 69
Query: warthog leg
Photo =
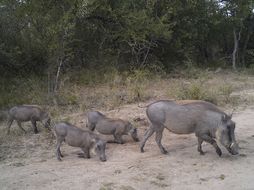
10 121
200 141
34 127
210 140
19 124
158 138
86 152
147 130
58 151
147 135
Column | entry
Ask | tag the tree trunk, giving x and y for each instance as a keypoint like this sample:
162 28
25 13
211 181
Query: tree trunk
236 44
57 75
244 48
235 50
246 41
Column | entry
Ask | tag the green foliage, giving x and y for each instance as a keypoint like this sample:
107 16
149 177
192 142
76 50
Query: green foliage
36 35
112 42
196 91
22 91
200 89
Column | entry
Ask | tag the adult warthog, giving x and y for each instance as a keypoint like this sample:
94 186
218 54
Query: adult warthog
25 113
202 118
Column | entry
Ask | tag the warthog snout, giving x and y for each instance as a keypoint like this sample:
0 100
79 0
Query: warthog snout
233 148
100 150
134 134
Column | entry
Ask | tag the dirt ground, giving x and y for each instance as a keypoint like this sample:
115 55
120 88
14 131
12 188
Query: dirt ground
27 161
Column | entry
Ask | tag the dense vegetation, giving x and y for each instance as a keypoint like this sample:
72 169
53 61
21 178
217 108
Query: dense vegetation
50 37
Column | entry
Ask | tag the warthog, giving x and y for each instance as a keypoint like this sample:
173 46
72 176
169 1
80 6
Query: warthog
109 126
202 118
25 113
77 137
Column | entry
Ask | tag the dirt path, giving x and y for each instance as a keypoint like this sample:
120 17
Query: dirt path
34 166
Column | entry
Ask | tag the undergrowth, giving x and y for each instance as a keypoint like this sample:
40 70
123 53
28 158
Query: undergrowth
109 88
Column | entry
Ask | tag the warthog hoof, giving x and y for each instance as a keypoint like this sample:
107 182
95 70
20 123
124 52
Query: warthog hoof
103 159
59 159
164 151
81 155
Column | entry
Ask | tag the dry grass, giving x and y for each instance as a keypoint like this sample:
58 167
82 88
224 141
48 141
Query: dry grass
225 89
219 88
18 145
111 89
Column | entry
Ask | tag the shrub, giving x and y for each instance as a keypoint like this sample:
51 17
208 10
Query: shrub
196 91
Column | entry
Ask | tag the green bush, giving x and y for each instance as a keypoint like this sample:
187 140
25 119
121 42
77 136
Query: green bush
196 91
22 91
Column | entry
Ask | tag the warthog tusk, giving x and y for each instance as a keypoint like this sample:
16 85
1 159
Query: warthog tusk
232 144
